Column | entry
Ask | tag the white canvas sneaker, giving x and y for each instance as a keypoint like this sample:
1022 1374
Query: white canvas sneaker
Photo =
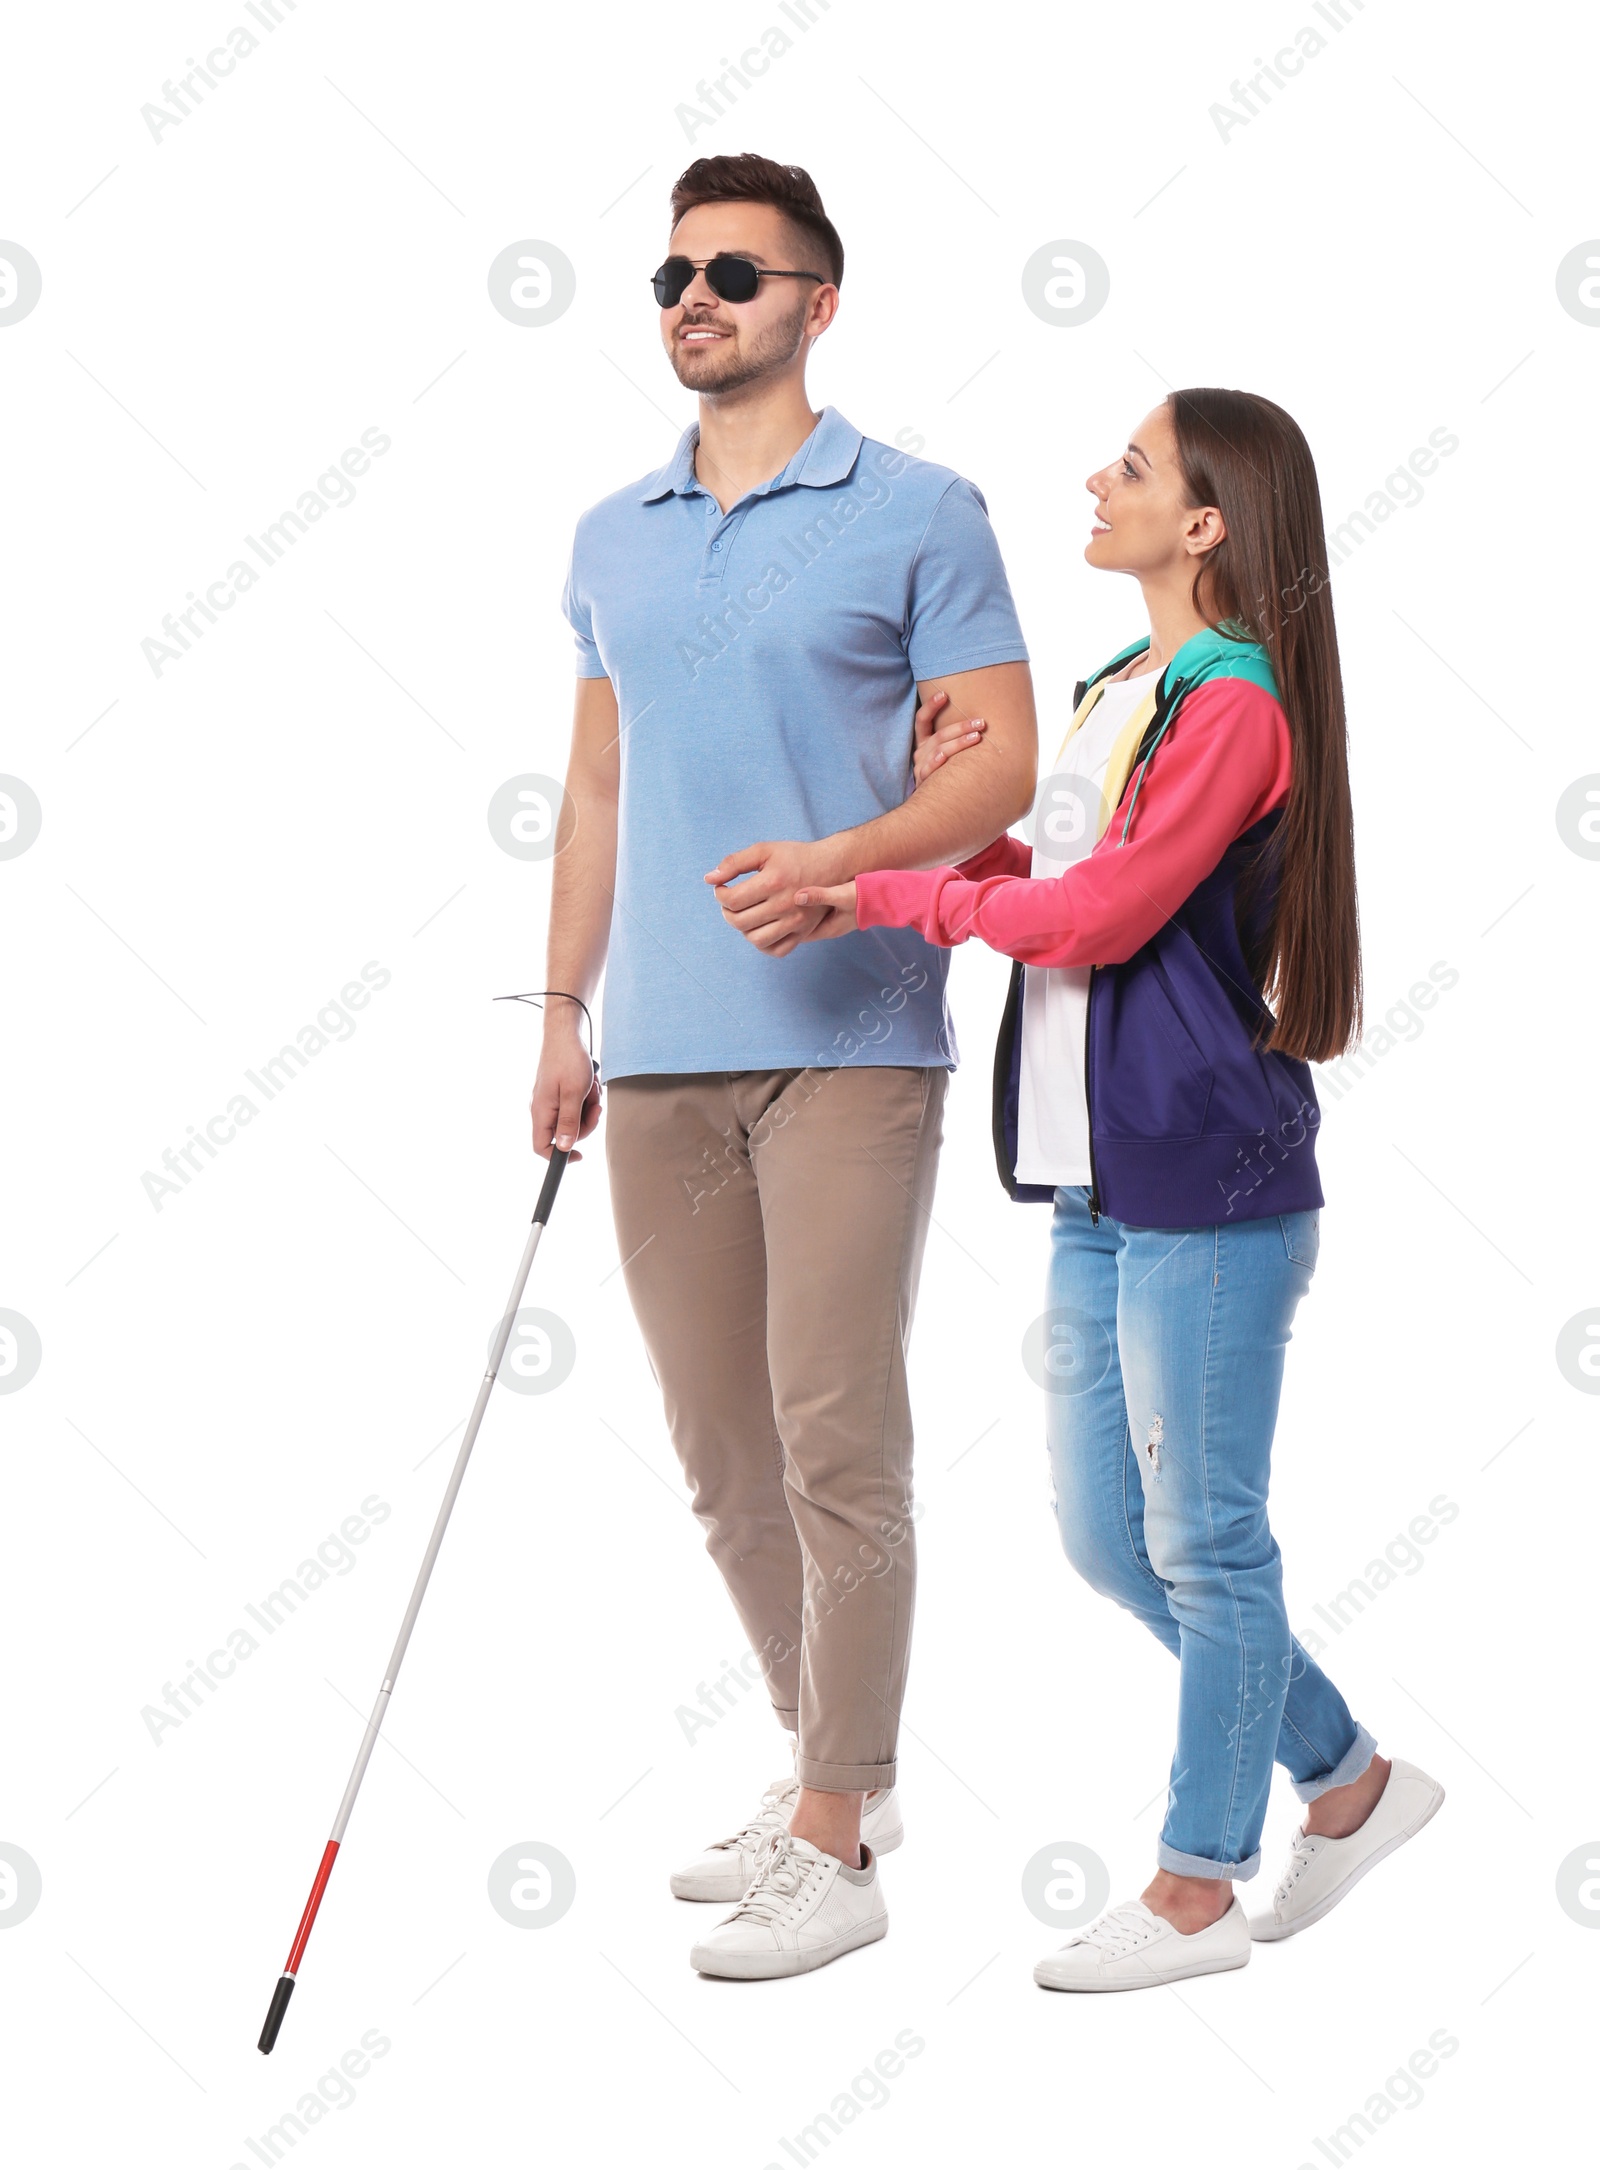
724 1871
1131 1948
803 1909
1320 1871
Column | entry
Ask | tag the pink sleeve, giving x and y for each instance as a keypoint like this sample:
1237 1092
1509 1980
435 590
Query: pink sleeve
1006 855
1223 764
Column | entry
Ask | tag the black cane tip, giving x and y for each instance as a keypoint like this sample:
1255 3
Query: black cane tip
275 2012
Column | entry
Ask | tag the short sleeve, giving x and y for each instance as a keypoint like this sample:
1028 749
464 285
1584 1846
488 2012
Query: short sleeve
960 615
575 607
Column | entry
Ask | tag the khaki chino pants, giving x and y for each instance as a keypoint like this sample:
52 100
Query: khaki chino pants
772 1225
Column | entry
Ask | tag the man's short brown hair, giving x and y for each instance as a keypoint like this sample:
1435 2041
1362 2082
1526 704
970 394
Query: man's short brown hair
749 178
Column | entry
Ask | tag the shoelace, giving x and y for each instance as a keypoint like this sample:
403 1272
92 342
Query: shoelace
780 1879
1121 1929
775 1804
1302 1853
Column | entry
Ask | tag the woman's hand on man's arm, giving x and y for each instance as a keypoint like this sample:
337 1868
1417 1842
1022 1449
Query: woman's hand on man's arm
941 733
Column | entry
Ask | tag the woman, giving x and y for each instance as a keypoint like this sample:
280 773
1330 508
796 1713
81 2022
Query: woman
1186 939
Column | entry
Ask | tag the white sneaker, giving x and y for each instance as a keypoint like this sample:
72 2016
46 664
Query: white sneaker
1320 1871
1131 1948
882 1826
724 1871
803 1909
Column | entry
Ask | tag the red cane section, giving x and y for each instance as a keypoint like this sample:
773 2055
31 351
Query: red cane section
303 1934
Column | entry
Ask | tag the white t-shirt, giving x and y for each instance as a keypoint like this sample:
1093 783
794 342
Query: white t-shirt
1052 1112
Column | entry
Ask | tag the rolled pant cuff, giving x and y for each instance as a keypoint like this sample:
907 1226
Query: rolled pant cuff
1176 1864
842 1777
1348 1768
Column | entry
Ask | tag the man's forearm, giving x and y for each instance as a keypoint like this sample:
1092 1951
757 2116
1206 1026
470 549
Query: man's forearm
956 812
584 873
580 905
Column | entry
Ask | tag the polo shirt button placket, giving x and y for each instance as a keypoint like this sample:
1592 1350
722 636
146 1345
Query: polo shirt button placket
716 557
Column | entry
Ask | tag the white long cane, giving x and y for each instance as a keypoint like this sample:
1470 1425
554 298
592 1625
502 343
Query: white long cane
286 1980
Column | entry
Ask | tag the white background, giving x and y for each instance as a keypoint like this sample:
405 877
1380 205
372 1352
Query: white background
223 846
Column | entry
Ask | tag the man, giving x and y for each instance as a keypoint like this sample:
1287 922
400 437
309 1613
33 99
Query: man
755 623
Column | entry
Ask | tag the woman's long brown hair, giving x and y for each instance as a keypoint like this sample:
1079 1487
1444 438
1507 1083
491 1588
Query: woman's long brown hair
1268 580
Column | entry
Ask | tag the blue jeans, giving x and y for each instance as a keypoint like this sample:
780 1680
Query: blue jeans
1164 1358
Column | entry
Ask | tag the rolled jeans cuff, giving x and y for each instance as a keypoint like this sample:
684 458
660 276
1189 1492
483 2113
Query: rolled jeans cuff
1176 1864
843 1777
1349 1767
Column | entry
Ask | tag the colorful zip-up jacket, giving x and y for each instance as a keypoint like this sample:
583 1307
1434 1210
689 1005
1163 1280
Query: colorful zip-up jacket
1191 1122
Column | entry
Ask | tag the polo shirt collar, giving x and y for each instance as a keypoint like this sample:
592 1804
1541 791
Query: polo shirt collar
825 458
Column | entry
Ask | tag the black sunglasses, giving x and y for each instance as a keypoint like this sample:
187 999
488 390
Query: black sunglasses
730 278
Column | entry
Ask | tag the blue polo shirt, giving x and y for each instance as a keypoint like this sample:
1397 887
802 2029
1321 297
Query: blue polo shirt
766 662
